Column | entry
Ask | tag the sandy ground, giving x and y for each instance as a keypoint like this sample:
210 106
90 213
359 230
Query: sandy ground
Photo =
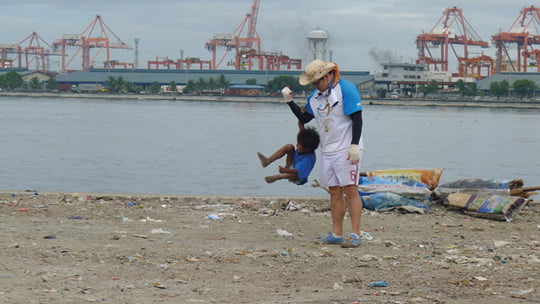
85 248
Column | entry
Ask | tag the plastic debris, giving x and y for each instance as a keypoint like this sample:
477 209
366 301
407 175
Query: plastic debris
213 217
500 244
292 206
365 236
282 232
378 284
161 231
149 219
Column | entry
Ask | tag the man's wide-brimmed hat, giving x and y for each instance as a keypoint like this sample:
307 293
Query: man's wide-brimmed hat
315 71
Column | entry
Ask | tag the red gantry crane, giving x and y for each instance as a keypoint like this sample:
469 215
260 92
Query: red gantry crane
35 52
450 30
178 64
95 36
235 41
524 34
6 50
248 47
31 50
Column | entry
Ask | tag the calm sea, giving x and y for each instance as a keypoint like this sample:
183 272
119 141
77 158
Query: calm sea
209 148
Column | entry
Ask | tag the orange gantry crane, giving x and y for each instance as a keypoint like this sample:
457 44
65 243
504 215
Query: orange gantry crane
248 48
235 41
88 40
178 64
520 34
31 50
450 30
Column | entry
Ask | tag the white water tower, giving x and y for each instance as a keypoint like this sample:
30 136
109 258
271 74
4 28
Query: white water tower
317 44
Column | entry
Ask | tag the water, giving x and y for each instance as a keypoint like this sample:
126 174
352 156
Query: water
209 148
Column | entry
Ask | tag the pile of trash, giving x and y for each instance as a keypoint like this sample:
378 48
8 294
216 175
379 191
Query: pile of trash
500 200
415 189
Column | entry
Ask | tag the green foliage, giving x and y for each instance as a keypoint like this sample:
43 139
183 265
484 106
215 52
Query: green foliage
35 84
222 82
466 88
251 81
154 87
172 86
524 87
499 88
119 85
279 82
51 84
190 87
11 80
431 88
209 84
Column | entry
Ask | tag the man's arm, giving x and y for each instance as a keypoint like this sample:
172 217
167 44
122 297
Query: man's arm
304 117
357 123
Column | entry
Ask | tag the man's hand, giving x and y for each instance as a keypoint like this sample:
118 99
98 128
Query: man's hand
354 154
287 94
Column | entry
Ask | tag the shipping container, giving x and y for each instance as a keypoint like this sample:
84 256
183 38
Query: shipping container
89 87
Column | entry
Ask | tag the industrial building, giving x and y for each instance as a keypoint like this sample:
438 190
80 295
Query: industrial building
145 77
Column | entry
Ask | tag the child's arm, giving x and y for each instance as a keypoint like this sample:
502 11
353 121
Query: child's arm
292 174
300 123
300 126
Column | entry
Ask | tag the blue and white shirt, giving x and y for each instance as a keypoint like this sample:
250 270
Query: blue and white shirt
331 110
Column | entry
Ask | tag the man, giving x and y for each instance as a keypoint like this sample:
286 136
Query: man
336 106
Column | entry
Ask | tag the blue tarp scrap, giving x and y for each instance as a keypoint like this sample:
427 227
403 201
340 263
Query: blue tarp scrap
387 200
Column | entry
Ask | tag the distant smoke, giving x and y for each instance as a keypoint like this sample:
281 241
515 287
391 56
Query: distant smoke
381 56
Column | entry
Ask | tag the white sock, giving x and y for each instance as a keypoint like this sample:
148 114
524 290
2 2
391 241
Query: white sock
335 235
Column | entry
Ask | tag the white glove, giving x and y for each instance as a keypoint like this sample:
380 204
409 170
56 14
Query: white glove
354 154
287 94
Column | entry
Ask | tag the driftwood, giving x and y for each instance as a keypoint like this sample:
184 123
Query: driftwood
517 189
317 184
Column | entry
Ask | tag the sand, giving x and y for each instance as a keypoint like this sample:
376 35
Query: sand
113 248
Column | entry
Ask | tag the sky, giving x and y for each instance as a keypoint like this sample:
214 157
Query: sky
362 32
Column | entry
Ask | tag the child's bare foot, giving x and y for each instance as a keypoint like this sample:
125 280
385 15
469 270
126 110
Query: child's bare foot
271 179
263 159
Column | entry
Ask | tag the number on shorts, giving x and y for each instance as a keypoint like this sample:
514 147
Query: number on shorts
354 175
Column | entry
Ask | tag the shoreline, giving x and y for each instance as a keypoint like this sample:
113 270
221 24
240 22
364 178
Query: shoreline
157 196
276 99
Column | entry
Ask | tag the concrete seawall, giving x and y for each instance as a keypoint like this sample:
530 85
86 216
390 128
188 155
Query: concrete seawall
276 99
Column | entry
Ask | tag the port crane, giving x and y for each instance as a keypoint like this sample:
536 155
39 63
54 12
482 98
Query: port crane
247 47
31 50
250 43
95 36
450 30
522 36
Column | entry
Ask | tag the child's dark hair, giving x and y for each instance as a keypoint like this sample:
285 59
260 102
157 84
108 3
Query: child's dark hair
309 138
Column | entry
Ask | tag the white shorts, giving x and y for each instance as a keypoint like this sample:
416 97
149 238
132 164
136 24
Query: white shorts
337 170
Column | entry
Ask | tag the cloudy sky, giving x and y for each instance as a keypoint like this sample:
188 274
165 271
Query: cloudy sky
361 31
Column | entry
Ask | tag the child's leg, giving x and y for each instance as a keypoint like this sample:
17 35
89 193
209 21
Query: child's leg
272 178
285 150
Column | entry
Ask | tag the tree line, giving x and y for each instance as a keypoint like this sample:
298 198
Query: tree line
521 87
12 80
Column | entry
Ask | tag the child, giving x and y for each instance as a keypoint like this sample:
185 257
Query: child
299 161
